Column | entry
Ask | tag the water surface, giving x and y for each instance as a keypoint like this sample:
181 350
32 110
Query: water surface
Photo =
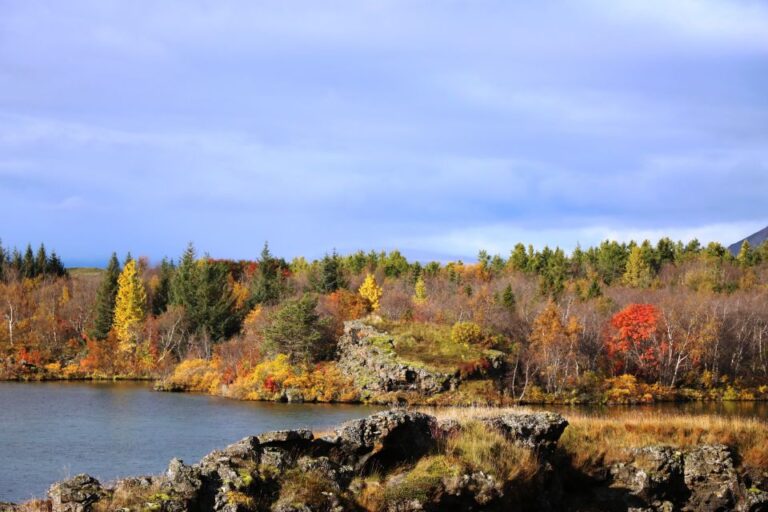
50 431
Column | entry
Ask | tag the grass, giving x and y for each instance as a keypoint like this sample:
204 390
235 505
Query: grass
592 440
430 345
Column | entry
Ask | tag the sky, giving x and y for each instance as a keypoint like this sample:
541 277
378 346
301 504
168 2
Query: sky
434 127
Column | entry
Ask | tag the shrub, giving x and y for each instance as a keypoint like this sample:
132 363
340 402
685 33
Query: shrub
466 333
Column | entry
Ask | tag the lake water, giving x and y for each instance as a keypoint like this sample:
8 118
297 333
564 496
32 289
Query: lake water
50 431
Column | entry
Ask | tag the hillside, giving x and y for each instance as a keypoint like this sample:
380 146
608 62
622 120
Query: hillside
754 240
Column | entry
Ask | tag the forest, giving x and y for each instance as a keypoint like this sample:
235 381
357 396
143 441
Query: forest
618 322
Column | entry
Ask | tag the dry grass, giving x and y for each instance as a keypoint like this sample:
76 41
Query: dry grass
591 439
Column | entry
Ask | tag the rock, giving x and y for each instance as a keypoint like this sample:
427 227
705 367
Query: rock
385 439
479 488
711 479
368 356
77 494
285 436
653 479
540 430
755 500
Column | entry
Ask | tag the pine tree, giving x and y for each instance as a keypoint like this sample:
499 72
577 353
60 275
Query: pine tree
105 300
214 307
130 304
370 291
3 261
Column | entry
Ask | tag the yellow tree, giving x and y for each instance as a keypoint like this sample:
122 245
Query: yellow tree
554 346
371 291
420 291
130 305
638 271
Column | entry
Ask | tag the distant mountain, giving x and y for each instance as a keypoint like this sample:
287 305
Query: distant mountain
754 240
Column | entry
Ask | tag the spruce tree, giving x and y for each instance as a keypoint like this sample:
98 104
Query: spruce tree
105 300
331 276
268 284
162 293
29 264
41 261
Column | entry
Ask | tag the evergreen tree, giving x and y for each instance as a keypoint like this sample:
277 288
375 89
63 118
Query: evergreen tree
162 293
41 261
594 291
268 285
508 299
130 304
214 307
518 260
611 261
297 330
184 282
29 264
55 267
104 308
3 261
331 276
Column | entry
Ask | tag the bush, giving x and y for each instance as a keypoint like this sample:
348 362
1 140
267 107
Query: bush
466 333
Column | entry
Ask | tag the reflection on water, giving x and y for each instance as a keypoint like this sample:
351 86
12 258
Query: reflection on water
49 431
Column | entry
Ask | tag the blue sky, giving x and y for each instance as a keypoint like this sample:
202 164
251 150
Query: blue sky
435 127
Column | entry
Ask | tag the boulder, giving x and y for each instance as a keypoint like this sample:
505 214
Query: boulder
77 494
540 430
384 440
654 478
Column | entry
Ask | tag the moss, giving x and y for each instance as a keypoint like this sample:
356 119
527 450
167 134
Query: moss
422 482
311 488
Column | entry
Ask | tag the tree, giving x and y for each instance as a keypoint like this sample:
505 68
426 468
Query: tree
161 287
420 291
268 285
29 264
508 299
104 309
331 276
297 331
518 260
634 346
553 346
370 291
638 270
130 304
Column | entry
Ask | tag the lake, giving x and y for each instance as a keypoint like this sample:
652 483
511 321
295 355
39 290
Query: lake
50 431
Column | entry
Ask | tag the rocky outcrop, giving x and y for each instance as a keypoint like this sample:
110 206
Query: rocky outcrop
537 430
661 478
368 356
76 494
292 471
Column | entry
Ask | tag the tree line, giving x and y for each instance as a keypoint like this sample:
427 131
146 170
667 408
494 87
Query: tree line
669 313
